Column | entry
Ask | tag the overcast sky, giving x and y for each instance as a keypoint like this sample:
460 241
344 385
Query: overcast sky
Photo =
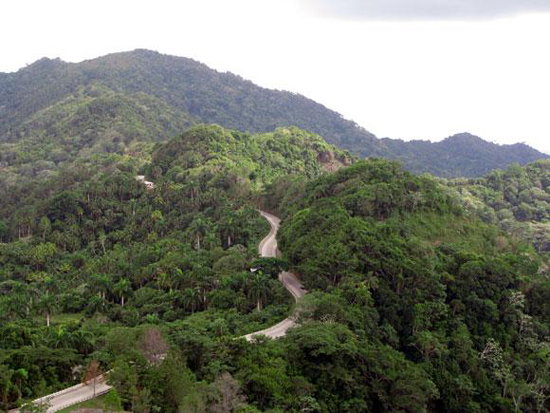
408 69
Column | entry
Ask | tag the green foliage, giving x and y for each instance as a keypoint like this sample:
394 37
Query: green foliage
417 296
34 408
414 304
517 199
94 256
247 160
55 112
462 155
94 120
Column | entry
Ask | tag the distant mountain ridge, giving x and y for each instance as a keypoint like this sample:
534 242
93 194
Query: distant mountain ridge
462 154
207 95
118 101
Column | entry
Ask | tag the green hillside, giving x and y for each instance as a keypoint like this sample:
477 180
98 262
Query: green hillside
257 158
517 199
416 306
92 121
413 305
52 112
90 257
462 155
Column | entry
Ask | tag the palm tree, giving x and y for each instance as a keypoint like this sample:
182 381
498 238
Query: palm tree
191 299
6 385
45 226
227 226
239 281
15 299
83 341
132 203
97 304
192 188
102 240
165 281
199 229
101 284
259 289
122 289
47 305
19 375
180 278
202 280
59 338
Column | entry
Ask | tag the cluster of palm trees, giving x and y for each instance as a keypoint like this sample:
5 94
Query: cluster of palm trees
19 299
196 285
79 339
107 275
190 280
255 285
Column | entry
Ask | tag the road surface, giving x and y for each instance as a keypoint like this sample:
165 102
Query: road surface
73 395
268 248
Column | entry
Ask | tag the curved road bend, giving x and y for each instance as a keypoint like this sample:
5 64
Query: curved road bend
268 248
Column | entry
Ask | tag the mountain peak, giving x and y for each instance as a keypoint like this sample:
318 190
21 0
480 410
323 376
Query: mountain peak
136 53
465 137
45 63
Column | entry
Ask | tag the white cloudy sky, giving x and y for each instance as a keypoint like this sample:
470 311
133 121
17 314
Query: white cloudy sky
409 69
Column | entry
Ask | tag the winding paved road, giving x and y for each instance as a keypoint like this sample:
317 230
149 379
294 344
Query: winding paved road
268 248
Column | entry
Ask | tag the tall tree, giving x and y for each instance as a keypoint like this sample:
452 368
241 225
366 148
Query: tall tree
47 305
259 289
123 289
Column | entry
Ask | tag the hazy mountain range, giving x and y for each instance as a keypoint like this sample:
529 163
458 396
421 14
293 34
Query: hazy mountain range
52 111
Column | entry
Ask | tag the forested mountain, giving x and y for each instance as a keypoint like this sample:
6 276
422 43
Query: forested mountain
414 304
259 159
459 155
52 113
418 300
185 84
232 158
92 257
517 199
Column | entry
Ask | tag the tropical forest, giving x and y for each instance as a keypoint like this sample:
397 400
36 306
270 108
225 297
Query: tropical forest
138 193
